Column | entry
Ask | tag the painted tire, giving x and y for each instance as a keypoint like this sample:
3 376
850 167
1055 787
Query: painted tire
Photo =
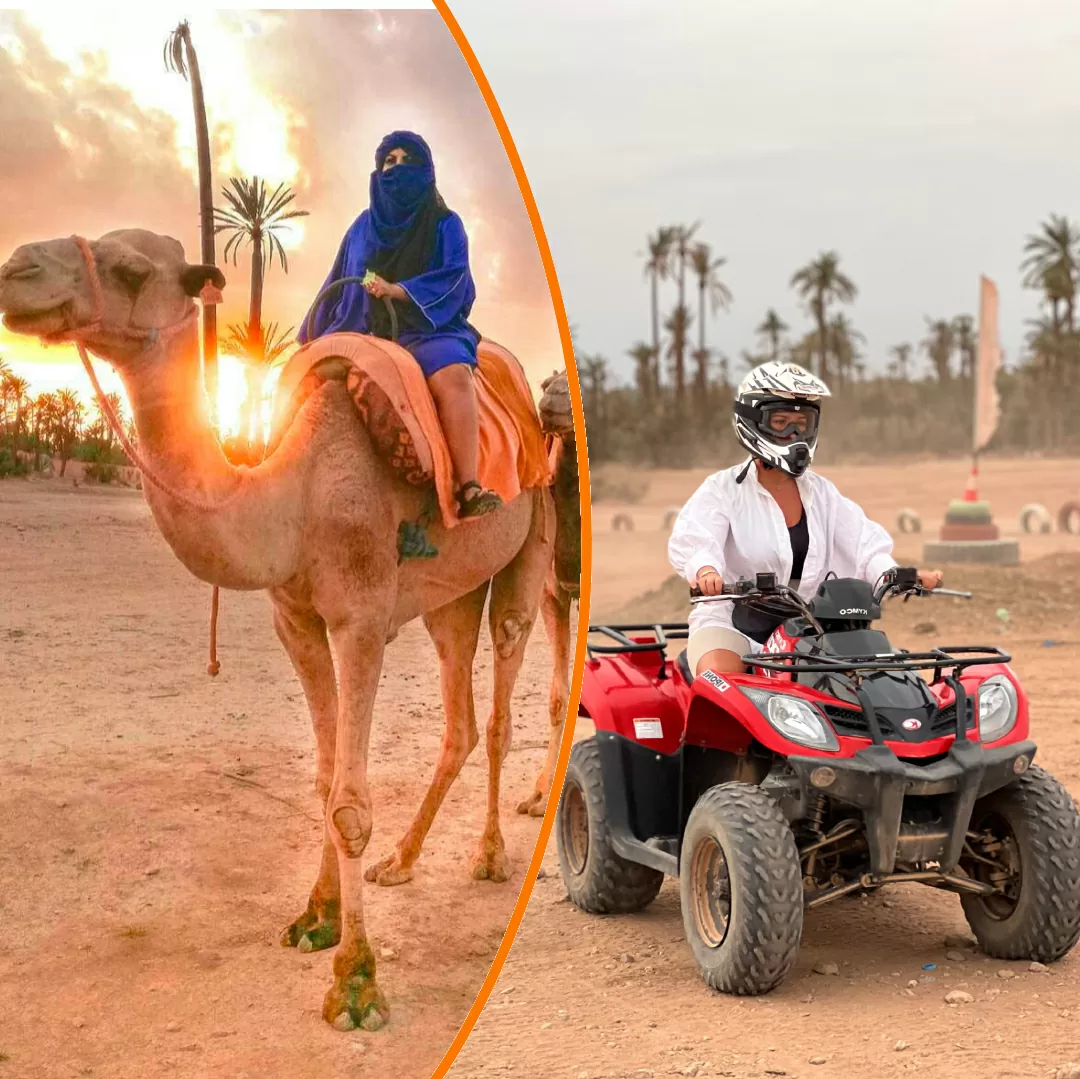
669 517
1035 517
908 521
1069 518
622 522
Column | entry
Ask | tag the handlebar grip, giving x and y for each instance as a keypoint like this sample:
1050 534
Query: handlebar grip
695 592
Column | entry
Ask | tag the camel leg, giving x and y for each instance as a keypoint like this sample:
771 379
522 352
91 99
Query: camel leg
515 599
303 633
556 609
354 999
455 629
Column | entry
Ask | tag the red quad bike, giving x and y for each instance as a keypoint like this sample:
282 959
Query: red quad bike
831 767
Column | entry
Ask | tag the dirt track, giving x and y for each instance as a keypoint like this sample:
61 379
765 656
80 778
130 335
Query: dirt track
583 997
158 828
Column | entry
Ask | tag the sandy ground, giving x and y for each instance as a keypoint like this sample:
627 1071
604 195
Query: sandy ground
585 997
159 828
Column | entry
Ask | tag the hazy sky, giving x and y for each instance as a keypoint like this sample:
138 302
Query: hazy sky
96 135
921 140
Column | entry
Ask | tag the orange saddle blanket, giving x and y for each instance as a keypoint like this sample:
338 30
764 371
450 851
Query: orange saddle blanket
397 408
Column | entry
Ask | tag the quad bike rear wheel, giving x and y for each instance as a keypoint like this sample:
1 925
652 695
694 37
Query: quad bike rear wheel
597 879
1028 848
741 889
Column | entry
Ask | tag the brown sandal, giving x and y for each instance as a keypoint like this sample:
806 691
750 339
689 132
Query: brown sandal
481 504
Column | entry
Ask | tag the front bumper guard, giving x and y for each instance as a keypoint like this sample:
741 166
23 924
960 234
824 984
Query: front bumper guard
877 782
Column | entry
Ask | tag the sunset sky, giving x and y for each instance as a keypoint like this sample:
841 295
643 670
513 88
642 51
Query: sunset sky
98 135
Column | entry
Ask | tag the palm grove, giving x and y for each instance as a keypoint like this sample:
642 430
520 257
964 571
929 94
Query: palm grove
57 427
675 411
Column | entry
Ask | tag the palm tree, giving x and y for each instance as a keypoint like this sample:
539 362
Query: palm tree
772 328
939 345
259 357
657 269
706 269
642 354
678 327
1052 264
594 388
180 57
117 404
255 215
14 398
67 424
966 342
820 283
682 254
842 343
901 359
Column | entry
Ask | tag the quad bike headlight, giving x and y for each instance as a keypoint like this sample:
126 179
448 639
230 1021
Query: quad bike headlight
998 708
796 720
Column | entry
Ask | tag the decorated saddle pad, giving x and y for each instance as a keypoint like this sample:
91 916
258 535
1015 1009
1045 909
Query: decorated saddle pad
394 401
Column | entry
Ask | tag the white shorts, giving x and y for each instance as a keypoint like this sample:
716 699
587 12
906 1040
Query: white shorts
709 638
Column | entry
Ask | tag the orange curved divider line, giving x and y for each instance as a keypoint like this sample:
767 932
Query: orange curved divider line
586 538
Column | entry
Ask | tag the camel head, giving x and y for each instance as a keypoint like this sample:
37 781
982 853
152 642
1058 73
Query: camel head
46 290
556 412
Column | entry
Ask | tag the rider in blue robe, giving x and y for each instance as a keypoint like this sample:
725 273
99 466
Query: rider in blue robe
418 252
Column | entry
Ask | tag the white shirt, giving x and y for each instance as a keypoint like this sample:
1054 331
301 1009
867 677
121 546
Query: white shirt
739 530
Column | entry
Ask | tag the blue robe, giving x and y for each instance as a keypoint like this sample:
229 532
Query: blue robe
442 297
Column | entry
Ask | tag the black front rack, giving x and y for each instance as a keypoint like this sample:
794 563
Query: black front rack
937 660
664 632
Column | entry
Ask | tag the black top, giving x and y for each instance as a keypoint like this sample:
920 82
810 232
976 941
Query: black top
799 535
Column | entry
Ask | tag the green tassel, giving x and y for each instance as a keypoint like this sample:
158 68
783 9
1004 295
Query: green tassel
413 542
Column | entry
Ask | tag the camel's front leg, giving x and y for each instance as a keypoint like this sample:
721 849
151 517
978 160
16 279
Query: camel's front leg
455 629
556 608
303 633
515 597
354 1000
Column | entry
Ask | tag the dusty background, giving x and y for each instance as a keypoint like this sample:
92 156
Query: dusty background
584 997
158 828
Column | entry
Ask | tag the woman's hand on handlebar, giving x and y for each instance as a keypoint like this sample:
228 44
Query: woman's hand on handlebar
709 582
930 579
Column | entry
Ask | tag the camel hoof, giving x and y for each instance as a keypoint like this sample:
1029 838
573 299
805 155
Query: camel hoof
494 866
528 806
387 873
355 1002
310 933
539 809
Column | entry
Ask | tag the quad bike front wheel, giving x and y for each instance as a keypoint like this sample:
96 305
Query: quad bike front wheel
741 889
1028 848
597 879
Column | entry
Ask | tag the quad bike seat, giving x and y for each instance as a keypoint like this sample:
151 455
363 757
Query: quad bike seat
684 665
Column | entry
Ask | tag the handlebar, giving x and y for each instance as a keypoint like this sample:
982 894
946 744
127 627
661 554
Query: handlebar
896 582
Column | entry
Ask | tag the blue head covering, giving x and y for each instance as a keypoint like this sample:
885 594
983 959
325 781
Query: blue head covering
398 196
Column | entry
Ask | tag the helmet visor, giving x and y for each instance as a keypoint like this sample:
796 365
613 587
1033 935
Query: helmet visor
788 421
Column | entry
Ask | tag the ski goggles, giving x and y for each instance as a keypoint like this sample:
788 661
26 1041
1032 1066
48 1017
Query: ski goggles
779 419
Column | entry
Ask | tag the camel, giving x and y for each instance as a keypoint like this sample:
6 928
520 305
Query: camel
316 527
563 583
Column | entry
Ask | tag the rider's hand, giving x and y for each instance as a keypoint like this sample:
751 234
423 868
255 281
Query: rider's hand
380 288
930 578
709 582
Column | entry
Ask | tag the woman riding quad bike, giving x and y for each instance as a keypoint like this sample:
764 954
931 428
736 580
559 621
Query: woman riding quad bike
801 757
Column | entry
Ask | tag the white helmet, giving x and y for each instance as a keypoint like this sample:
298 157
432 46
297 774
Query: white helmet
779 387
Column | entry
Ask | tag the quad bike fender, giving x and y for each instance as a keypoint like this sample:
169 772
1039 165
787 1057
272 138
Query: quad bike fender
720 716
625 697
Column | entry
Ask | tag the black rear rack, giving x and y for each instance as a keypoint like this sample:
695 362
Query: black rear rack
663 631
